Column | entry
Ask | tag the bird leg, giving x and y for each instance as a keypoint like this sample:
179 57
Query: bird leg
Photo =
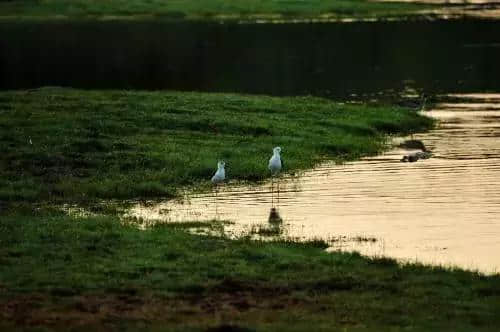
278 192
216 211
272 191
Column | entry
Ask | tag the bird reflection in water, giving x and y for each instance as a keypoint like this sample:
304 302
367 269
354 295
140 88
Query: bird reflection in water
274 217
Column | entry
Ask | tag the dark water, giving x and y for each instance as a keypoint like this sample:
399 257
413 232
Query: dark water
328 59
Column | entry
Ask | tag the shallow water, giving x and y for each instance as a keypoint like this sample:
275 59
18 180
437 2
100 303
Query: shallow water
444 210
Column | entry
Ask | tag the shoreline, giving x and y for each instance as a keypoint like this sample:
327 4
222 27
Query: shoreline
348 11
60 271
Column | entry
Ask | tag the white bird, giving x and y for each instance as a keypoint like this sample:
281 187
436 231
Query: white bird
220 175
275 161
275 167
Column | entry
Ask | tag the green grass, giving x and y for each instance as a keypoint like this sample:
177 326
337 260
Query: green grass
203 9
61 272
74 145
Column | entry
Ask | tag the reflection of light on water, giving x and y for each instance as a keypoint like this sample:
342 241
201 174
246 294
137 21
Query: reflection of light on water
444 210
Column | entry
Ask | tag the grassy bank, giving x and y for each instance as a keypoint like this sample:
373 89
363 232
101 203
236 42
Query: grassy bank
202 10
96 273
73 145
62 273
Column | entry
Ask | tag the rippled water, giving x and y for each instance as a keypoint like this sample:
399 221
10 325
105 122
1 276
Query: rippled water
443 210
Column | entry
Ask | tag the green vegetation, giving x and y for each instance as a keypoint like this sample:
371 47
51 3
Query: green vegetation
61 272
203 9
73 145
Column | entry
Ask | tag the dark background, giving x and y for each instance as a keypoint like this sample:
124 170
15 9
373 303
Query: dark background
327 59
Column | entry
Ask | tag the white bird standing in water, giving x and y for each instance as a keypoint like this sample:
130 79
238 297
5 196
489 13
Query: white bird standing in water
218 178
275 161
220 175
275 168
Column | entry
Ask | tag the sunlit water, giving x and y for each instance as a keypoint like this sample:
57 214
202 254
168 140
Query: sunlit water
444 210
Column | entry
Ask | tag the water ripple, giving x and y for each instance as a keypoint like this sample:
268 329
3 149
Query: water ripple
443 210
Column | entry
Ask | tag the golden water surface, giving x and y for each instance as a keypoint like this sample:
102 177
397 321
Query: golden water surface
444 210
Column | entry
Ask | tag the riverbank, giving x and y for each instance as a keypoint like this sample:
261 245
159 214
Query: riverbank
244 11
67 145
193 10
59 272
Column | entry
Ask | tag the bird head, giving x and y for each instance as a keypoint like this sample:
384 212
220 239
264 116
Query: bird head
277 150
221 164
